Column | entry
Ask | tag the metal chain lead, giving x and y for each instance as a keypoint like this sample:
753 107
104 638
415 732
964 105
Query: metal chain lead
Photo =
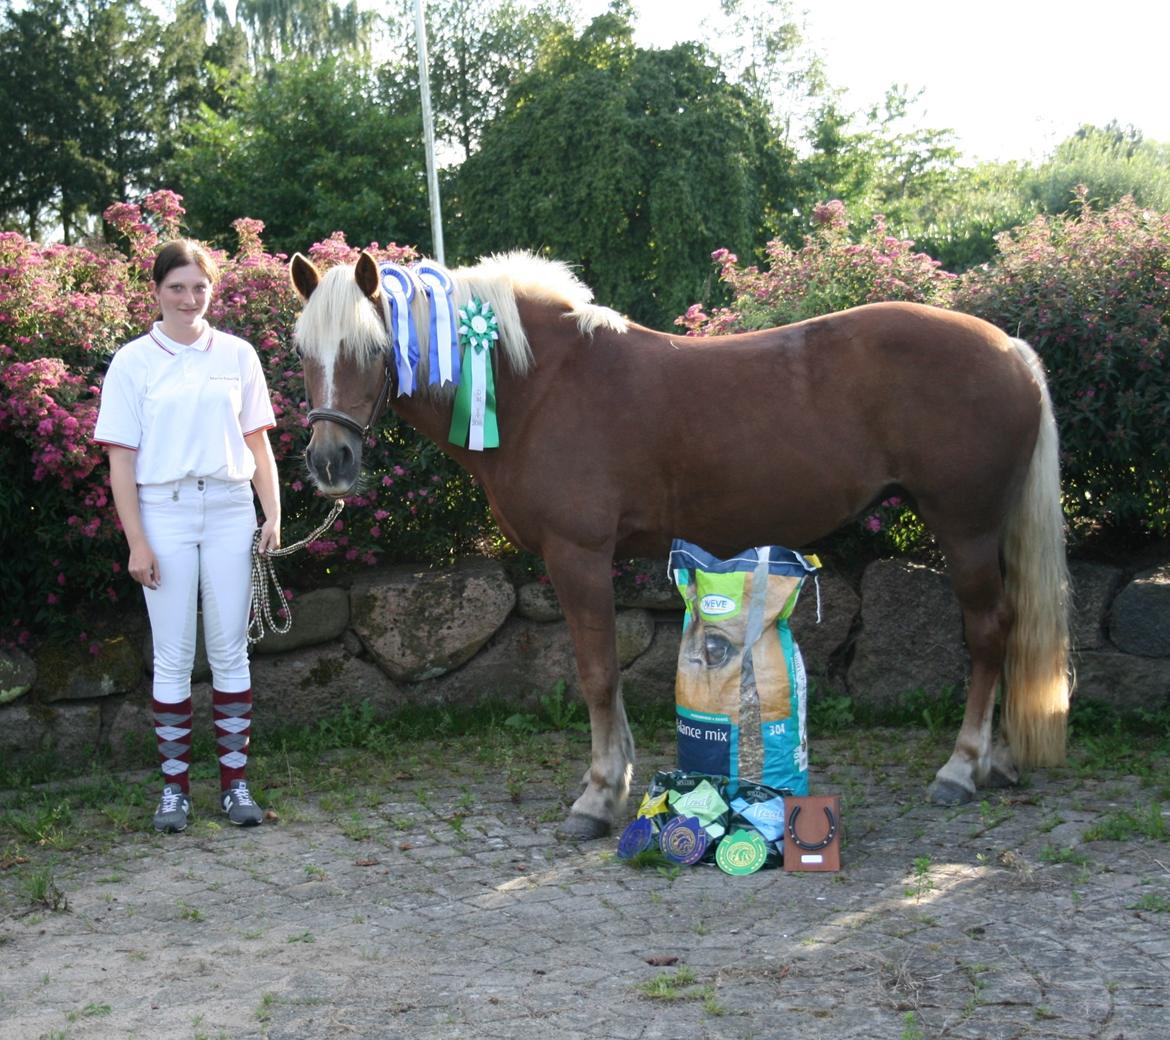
264 580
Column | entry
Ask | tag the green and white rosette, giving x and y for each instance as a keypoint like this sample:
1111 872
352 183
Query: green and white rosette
473 422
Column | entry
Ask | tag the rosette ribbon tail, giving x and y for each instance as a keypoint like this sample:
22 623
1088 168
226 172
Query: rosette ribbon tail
398 288
473 421
444 345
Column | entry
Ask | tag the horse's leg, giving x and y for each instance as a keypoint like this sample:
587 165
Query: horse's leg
583 579
975 575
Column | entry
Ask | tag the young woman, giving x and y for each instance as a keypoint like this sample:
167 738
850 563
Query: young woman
184 416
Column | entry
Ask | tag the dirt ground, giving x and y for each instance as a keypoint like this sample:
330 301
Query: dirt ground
437 903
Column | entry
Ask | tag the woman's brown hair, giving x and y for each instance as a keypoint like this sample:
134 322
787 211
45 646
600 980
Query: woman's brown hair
179 253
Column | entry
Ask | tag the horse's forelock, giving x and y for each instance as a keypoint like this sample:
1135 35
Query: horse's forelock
338 318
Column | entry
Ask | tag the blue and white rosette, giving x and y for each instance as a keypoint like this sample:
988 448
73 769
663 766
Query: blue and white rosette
444 350
398 287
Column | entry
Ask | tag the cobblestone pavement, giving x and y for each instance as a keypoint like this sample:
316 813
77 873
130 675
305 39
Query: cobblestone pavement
440 908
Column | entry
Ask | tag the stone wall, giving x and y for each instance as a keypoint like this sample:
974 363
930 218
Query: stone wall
405 635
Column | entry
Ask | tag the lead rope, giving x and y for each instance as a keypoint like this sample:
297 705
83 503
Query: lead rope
264 580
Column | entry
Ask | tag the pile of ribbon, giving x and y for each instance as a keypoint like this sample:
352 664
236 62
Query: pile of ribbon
694 818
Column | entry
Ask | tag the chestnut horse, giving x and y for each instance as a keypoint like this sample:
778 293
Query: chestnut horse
614 439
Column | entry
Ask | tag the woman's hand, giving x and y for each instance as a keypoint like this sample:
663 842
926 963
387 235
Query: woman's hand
269 536
144 566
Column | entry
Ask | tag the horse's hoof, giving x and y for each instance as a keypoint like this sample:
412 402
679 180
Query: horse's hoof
579 827
998 776
947 792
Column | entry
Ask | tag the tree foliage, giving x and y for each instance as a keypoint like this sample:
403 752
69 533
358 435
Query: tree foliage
310 148
476 49
79 114
280 30
634 164
1111 162
880 163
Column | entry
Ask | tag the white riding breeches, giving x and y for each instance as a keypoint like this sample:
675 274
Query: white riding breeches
201 532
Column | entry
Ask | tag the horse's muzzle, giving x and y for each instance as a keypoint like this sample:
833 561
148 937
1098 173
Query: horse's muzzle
334 459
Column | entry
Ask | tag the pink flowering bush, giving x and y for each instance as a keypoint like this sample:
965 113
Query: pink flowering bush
63 311
1091 293
830 272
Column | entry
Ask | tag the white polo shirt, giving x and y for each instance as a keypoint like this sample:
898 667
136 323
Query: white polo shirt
185 408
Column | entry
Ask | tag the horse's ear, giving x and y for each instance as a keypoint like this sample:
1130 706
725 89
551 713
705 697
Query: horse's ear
304 276
366 273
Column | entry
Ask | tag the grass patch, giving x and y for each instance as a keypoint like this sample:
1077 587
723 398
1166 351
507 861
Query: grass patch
1055 854
1122 825
679 985
42 891
91 1010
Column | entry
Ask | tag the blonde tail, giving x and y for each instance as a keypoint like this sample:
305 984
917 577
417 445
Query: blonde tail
1037 682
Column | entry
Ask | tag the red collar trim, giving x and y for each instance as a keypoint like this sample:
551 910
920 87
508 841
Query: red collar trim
172 347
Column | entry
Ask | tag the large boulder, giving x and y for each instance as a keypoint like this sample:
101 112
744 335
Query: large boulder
650 678
69 730
18 672
318 617
820 641
65 671
911 633
1093 587
537 601
1124 681
522 661
526 659
635 633
1139 622
420 624
302 687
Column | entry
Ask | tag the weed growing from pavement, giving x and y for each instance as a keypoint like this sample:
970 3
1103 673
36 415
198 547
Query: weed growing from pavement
1123 825
911 1030
679 985
921 882
40 887
1153 903
1055 854
90 1010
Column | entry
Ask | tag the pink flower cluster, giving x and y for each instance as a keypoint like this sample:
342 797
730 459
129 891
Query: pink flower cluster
830 272
65 309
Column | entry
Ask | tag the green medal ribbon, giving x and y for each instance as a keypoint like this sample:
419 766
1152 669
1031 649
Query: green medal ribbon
473 421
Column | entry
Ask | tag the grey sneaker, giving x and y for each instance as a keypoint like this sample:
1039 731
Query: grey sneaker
174 810
238 804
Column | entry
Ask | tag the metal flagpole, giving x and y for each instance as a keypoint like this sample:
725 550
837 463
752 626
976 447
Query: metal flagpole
424 85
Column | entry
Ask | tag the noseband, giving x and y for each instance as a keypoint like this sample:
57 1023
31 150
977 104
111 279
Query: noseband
334 416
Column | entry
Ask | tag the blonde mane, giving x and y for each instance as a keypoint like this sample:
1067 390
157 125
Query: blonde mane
338 318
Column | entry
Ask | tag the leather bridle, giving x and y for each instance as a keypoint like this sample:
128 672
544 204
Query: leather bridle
335 416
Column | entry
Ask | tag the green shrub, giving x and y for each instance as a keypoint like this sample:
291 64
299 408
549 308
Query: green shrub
1091 292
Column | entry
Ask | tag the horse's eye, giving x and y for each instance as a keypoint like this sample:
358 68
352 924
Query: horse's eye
716 649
